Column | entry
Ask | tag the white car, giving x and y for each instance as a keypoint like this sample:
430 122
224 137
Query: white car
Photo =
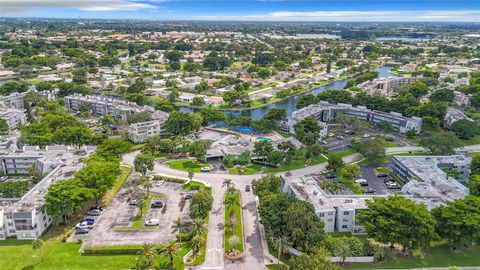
205 169
84 226
362 182
366 135
152 222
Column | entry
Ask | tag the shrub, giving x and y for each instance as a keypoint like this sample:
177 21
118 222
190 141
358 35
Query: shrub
182 237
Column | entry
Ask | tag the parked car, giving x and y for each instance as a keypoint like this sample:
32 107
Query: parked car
84 225
96 207
380 174
247 188
81 231
156 204
205 169
152 222
362 182
369 191
188 196
94 212
366 135
89 221
392 185
3 178
340 137
329 176
323 142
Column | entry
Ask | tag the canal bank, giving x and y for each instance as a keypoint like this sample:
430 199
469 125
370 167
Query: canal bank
289 103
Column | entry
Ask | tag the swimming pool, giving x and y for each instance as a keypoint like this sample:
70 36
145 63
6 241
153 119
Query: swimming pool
264 139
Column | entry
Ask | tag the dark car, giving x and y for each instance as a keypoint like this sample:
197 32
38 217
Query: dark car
156 204
89 221
382 174
81 231
247 188
369 191
330 176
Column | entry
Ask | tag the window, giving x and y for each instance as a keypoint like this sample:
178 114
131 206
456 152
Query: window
10 224
346 213
12 231
344 226
321 214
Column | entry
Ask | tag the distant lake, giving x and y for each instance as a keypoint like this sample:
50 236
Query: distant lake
405 39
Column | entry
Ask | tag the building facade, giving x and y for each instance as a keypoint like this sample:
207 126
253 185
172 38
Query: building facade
140 132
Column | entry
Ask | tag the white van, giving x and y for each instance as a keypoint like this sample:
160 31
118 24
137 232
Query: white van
152 222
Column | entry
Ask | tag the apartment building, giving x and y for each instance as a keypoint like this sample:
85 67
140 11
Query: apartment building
386 86
26 218
12 101
13 117
427 180
101 105
338 212
140 132
453 115
325 112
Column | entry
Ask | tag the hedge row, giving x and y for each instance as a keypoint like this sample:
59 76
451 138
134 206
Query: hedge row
123 249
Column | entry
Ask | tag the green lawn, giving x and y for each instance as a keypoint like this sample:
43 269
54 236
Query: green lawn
472 141
238 226
345 152
19 255
437 256
185 165
249 170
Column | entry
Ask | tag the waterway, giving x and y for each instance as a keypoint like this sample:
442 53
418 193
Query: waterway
289 103
404 39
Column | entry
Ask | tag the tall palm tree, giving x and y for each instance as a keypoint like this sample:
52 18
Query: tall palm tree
170 251
146 183
141 204
197 241
148 253
282 245
178 225
198 226
38 244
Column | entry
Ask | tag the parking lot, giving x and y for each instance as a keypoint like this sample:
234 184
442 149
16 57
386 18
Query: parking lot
375 182
113 227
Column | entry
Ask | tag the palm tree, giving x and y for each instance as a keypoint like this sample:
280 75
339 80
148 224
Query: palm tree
197 241
227 183
141 204
178 225
148 253
191 173
146 184
282 245
198 226
233 241
170 251
38 244
230 202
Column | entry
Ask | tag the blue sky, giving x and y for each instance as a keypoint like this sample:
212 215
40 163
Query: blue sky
249 10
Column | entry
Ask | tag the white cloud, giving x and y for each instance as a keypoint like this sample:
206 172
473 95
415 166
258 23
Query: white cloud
385 15
16 7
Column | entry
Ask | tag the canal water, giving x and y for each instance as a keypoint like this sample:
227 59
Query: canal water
289 103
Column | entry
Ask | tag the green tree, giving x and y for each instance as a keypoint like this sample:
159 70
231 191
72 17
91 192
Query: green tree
262 148
3 127
211 115
191 174
318 260
143 163
441 143
180 123
141 204
198 226
113 148
197 242
98 176
335 162
148 253
307 131
170 250
459 221
64 197
198 101
418 89
465 129
442 95
201 204
475 185
372 149
287 148
282 245
398 220
274 157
